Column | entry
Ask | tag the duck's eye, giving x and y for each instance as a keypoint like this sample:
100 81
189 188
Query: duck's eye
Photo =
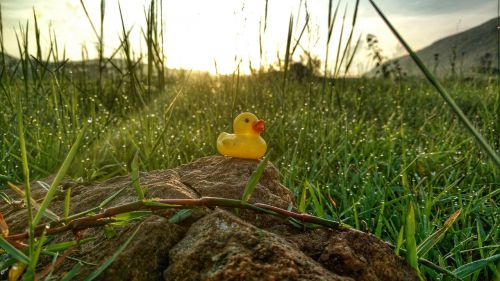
246 120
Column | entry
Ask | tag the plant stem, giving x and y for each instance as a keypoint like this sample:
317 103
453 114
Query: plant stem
106 215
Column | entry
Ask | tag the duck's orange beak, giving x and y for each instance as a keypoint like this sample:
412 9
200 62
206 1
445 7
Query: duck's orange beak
258 126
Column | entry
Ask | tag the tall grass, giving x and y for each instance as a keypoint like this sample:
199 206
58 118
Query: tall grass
440 89
390 146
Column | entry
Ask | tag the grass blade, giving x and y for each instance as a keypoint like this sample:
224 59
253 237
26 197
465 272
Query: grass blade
318 207
180 216
73 272
11 250
254 179
399 242
468 269
16 271
22 144
349 41
300 36
437 268
134 215
5 264
154 203
302 200
30 270
7 178
4 228
135 177
105 265
103 204
435 237
339 47
111 198
380 221
437 85
48 213
59 176
287 53
89 19
331 22
411 244
65 245
67 199
265 15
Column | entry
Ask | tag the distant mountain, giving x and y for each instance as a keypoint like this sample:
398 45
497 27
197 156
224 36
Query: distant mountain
90 68
468 53
8 59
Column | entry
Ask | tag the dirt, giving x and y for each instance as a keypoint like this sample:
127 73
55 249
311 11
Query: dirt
215 243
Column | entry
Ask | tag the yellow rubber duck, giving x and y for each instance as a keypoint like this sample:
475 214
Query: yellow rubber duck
246 141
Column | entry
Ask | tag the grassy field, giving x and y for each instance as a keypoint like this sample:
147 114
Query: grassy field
384 156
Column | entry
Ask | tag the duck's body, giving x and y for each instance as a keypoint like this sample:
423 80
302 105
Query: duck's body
246 141
241 146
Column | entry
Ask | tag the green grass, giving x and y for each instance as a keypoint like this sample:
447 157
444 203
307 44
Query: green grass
360 151
393 143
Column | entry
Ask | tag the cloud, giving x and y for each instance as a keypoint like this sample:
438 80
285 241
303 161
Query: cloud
430 7
8 5
444 6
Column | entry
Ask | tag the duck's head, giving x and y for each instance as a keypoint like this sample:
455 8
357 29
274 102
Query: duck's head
248 124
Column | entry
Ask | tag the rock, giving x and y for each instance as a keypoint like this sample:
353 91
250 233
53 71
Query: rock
220 246
226 177
363 257
215 244
143 259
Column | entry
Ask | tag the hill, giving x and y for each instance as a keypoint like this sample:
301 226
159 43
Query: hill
467 53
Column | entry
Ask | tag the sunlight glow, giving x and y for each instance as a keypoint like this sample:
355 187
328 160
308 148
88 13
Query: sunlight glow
220 36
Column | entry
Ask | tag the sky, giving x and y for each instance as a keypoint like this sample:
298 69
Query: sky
222 35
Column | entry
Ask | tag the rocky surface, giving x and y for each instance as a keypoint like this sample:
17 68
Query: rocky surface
214 243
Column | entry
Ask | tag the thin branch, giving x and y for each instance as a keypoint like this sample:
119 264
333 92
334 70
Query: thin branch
106 216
